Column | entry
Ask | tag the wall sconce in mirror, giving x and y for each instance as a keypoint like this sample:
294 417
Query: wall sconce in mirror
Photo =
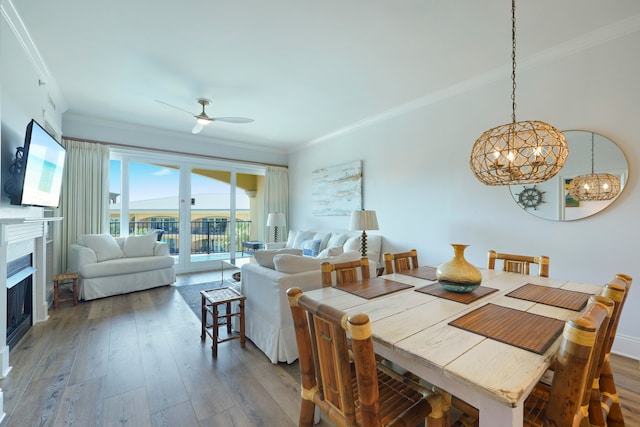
590 154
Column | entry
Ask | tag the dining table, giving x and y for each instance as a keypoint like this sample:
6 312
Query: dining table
488 348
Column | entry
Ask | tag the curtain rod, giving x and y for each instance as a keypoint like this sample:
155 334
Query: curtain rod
162 150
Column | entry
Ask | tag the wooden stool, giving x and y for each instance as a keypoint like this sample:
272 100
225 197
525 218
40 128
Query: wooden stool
211 299
67 278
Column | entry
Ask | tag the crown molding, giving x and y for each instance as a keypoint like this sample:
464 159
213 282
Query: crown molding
15 22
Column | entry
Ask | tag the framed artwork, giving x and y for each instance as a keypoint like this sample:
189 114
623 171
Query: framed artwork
569 202
337 190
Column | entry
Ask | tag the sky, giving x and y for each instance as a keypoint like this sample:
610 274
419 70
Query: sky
149 181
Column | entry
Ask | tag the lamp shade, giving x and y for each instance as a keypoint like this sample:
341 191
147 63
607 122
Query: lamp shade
276 219
363 220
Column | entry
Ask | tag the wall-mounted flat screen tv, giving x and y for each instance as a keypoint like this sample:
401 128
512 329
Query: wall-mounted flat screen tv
42 166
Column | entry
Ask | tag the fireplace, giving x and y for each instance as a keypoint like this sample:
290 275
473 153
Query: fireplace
19 298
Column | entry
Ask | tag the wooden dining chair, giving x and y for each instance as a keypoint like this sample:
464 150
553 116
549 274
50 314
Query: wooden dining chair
563 401
345 272
400 261
519 263
604 409
350 386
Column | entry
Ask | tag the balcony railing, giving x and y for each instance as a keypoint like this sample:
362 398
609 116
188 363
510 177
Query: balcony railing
207 237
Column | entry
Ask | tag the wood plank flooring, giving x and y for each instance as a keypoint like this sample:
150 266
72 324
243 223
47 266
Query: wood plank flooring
137 360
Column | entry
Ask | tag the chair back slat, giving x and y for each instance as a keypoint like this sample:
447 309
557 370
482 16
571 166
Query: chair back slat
520 264
402 261
573 364
350 386
345 272
604 408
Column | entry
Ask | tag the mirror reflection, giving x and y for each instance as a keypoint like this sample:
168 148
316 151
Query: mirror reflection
588 152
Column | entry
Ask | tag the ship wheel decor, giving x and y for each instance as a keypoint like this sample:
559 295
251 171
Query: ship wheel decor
530 197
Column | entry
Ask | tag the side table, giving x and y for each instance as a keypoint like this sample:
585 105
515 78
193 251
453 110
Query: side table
69 279
251 246
211 300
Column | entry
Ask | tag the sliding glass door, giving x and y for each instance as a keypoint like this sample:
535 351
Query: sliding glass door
205 210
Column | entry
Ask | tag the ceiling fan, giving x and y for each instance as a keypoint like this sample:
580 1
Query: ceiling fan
203 119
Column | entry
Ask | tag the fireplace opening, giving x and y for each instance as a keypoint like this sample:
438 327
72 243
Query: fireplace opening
19 298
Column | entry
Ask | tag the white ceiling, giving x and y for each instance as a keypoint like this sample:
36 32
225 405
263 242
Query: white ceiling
301 69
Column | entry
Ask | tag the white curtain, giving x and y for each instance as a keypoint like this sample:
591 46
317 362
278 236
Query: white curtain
84 202
276 199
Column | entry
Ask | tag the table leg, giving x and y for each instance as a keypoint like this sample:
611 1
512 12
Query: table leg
214 344
75 291
242 337
228 318
56 286
203 319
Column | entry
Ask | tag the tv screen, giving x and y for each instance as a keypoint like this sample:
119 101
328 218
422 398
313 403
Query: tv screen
43 163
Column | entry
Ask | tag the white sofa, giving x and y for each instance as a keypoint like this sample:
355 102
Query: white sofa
268 322
110 266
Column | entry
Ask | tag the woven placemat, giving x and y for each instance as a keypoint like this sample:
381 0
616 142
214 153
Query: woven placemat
521 329
373 287
427 273
437 290
563 298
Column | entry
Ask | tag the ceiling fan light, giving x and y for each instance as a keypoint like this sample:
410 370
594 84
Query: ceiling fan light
203 120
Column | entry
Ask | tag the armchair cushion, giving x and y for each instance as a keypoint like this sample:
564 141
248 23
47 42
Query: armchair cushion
264 257
105 246
293 264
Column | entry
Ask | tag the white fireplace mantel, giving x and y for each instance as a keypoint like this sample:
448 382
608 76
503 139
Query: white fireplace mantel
15 234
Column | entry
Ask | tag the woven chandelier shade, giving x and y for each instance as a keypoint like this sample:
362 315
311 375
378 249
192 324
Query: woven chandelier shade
595 186
525 152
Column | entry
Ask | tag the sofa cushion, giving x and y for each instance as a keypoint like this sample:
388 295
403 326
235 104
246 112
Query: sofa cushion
264 257
140 245
115 267
104 245
337 239
292 264
311 247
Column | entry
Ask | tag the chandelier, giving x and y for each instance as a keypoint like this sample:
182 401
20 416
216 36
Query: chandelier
594 186
525 152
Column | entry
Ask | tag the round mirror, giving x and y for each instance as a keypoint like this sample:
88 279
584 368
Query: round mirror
589 153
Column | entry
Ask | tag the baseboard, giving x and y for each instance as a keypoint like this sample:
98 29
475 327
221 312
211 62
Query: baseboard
626 346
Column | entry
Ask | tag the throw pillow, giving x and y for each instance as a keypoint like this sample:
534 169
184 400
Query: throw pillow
291 238
330 252
324 239
336 240
311 247
104 246
352 244
264 257
301 236
140 245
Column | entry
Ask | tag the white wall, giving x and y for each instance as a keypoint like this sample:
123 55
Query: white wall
416 173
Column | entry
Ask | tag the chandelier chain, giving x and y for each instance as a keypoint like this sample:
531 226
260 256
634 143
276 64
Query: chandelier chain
513 60
592 154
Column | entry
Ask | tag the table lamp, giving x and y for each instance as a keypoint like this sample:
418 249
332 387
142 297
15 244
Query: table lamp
363 220
275 220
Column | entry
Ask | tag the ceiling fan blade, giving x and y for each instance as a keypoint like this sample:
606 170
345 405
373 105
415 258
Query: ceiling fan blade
233 119
197 128
173 106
